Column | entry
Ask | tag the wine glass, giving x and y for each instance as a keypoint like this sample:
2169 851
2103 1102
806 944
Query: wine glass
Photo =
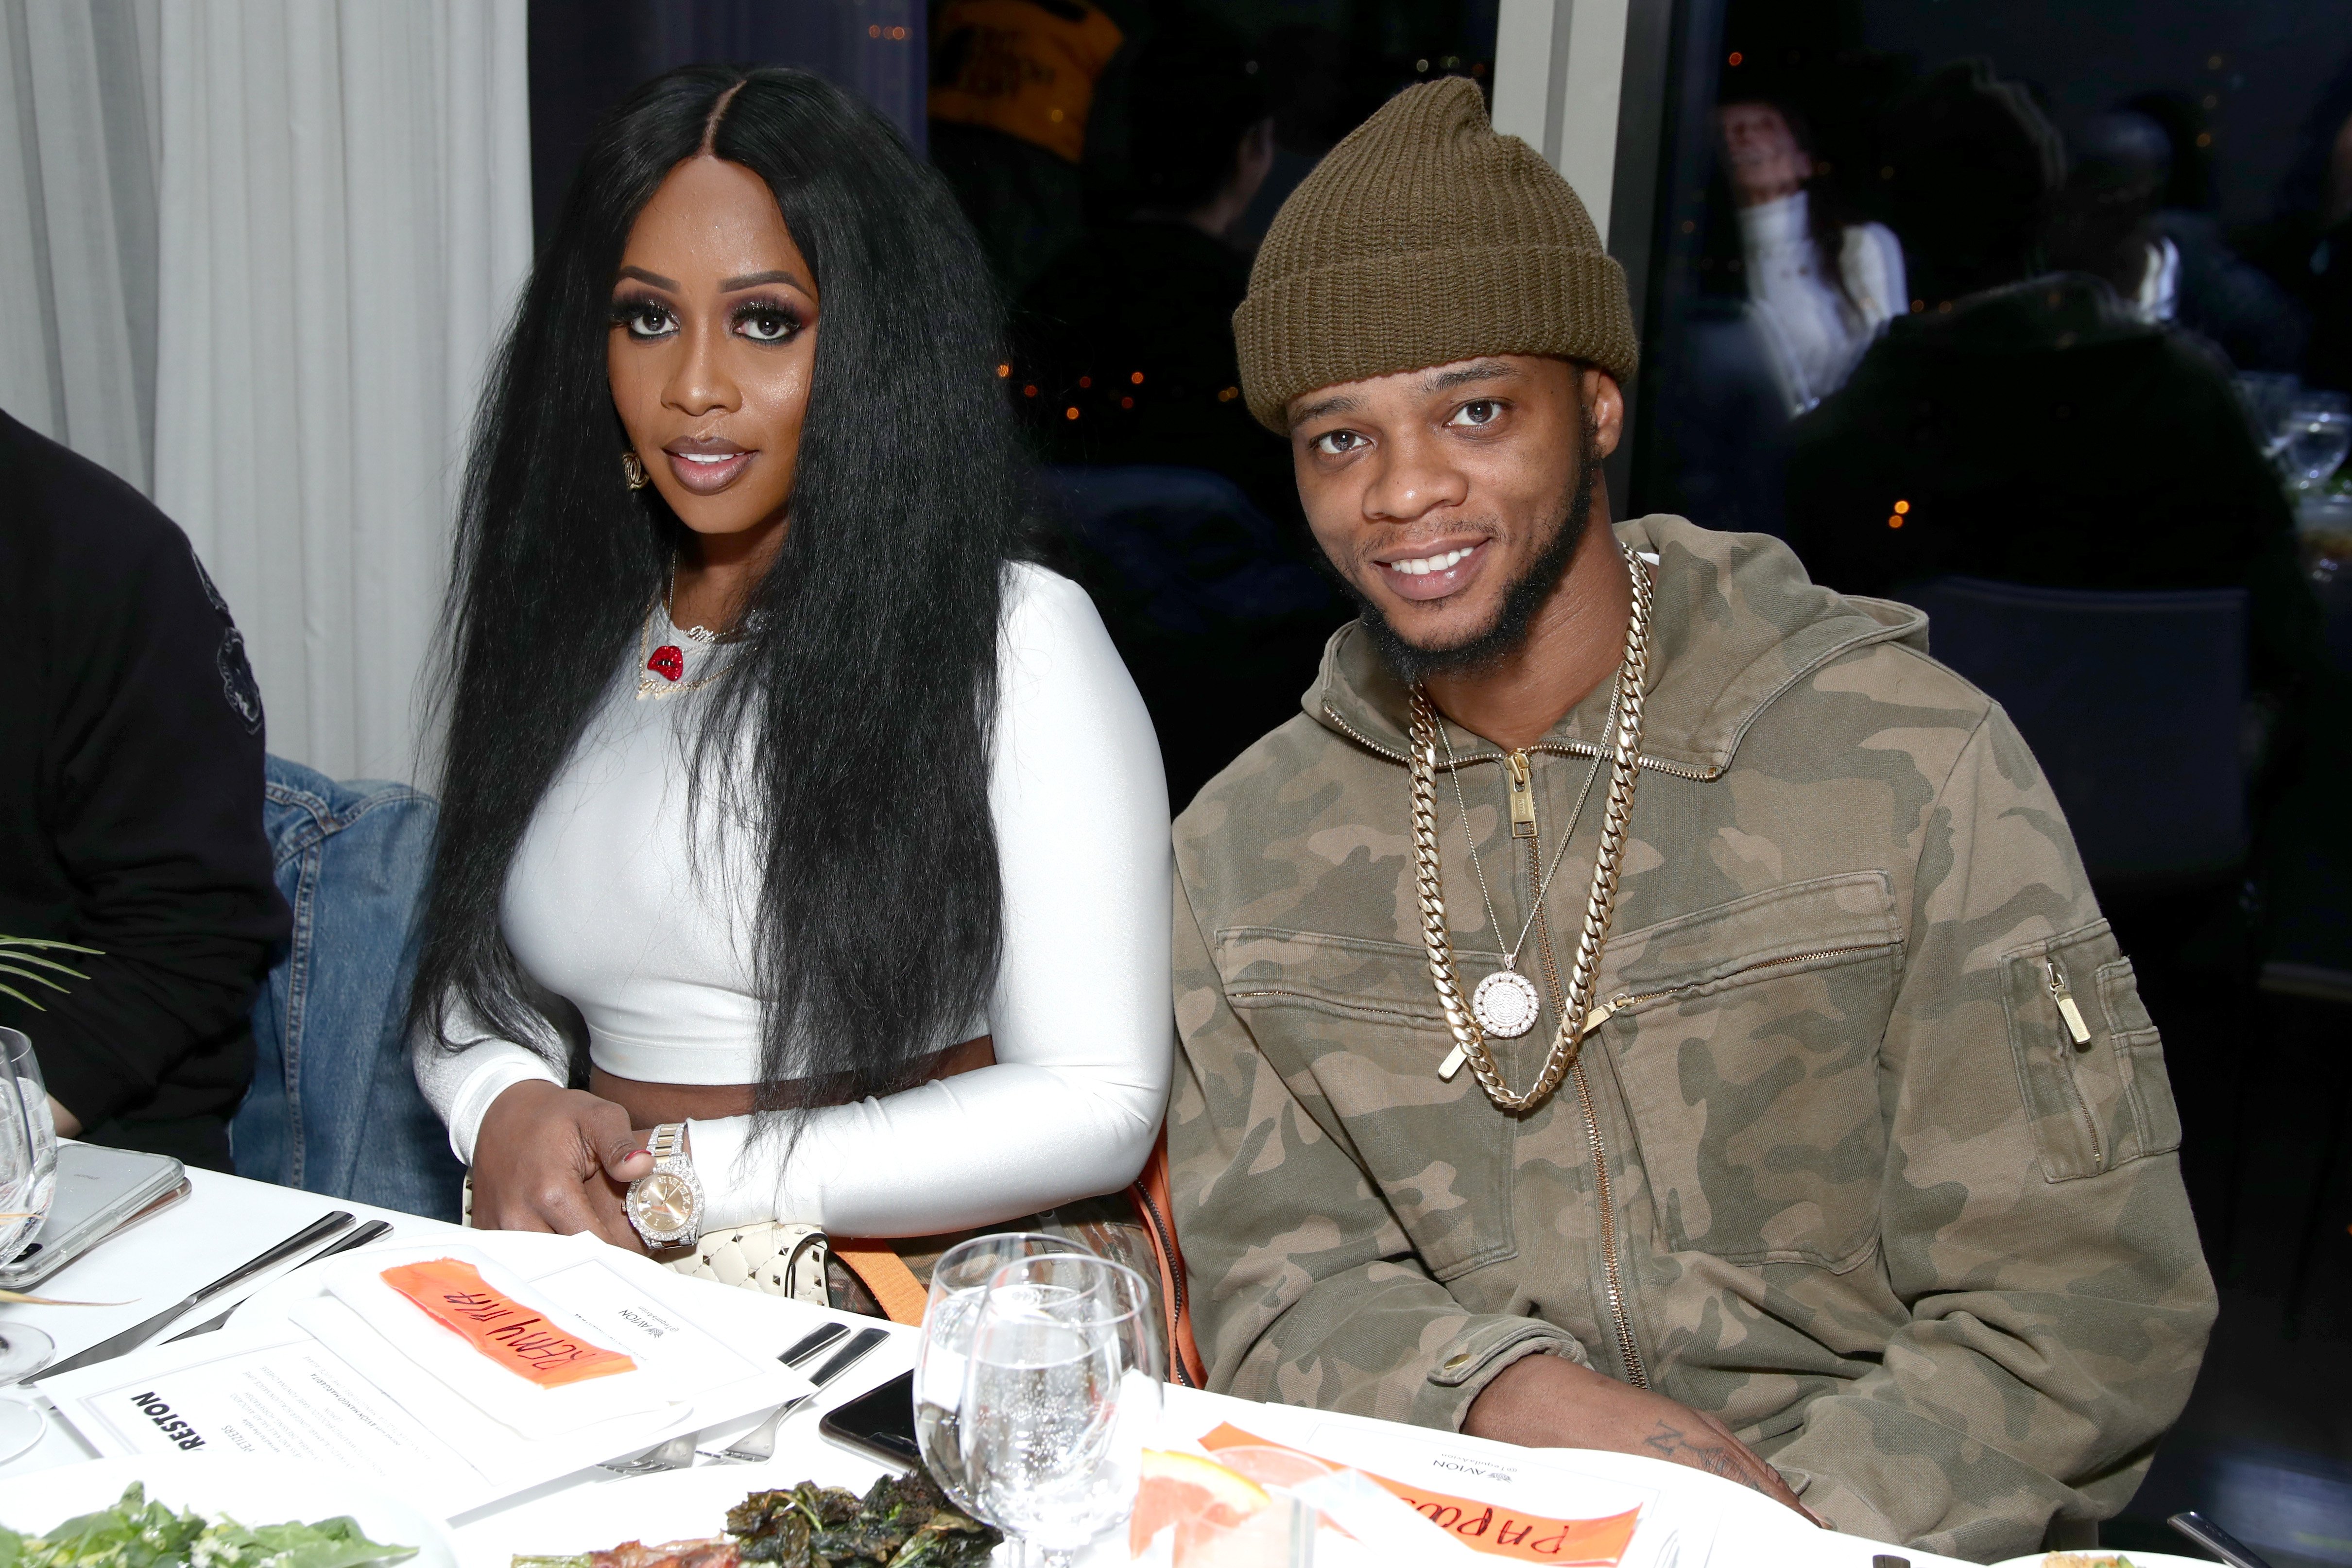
28 1181
2318 435
959 1280
1062 1390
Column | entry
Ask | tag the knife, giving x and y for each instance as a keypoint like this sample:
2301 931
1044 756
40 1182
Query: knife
2216 1540
842 1359
359 1237
131 1339
804 1348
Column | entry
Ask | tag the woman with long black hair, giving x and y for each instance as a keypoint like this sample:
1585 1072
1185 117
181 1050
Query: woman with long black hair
786 807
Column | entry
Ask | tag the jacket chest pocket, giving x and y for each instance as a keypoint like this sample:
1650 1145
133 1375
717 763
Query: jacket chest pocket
1354 1022
1746 1041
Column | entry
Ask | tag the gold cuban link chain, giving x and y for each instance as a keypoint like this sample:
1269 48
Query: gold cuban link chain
1599 905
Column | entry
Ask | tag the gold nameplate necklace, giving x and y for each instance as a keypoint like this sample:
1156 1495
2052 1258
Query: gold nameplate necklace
1626 750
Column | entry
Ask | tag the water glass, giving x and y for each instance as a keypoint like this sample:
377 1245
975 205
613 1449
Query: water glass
28 1181
2268 397
2318 435
1062 1391
959 1280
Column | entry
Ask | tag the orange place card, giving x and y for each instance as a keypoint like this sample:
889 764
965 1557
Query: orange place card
1489 1527
509 1333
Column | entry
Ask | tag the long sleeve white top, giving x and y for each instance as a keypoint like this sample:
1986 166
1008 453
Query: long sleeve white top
640 916
1815 332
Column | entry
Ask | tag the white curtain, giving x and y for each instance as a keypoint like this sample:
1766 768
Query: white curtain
81 142
257 253
345 223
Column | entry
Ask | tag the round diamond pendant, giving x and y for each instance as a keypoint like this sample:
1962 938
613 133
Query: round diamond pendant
1506 1003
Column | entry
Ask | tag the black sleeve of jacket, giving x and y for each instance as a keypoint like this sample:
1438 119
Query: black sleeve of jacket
147 814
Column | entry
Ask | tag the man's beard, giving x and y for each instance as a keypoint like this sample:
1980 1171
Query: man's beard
1522 600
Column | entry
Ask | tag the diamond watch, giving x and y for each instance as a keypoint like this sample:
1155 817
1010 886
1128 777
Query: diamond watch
666 1203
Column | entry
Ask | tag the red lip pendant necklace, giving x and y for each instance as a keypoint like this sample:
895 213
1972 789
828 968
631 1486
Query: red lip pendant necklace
669 660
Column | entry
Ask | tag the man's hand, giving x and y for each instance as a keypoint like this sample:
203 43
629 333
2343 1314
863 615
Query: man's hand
1546 1401
557 1159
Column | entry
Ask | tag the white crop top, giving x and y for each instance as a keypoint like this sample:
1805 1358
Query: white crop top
641 920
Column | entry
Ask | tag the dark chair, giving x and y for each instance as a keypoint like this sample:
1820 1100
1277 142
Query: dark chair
1220 620
1186 547
2133 703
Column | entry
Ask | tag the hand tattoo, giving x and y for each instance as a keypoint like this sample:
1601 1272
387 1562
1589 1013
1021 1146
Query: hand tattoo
1671 1443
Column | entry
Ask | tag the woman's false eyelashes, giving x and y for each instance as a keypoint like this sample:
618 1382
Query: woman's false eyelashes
759 320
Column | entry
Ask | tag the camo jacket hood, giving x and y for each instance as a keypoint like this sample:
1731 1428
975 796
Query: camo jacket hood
1866 1198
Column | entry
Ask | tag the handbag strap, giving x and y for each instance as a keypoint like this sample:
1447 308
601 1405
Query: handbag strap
879 1265
1153 1205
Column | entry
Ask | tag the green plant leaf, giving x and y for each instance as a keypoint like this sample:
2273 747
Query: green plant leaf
45 963
28 974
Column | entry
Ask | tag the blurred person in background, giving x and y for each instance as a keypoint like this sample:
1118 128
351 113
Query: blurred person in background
2307 248
2102 221
1794 292
1822 286
2217 293
1131 325
1015 85
1128 358
2036 426
130 799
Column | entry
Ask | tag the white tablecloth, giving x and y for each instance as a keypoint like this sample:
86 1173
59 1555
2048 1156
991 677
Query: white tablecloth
225 1220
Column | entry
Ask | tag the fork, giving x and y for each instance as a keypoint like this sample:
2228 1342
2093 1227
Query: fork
674 1455
758 1446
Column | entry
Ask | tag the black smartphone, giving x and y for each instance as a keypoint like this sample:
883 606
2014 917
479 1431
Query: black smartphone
881 1422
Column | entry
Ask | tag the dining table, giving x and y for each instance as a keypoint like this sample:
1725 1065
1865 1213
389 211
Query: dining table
225 1219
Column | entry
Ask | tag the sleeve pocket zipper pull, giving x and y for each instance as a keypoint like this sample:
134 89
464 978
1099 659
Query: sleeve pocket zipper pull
2079 1031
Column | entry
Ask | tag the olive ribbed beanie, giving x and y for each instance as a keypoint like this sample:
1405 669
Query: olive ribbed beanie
1420 239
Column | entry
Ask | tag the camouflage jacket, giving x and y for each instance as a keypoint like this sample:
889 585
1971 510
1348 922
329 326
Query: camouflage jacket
1857 1189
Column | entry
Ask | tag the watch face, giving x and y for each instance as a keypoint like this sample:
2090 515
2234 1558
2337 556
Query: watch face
662 1203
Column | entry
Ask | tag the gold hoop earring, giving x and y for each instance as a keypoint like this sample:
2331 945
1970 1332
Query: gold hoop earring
633 471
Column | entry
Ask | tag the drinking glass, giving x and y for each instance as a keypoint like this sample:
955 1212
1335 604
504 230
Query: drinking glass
2318 435
2268 397
29 1180
1062 1391
959 1280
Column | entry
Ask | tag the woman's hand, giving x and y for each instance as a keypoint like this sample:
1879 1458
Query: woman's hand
557 1159
1548 1402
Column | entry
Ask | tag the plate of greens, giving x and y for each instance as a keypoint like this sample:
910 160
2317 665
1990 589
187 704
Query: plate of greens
211 1511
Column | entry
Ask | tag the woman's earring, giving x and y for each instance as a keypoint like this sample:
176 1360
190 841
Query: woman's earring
633 471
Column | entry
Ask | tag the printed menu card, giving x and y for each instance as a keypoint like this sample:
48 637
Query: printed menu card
460 1376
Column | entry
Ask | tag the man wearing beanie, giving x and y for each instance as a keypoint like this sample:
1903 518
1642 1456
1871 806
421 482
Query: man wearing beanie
1856 1178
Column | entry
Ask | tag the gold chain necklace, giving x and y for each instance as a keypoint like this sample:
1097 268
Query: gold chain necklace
1469 1038
1505 1002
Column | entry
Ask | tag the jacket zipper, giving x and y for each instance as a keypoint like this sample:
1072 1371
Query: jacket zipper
1565 748
1175 1278
1523 797
2071 1015
1303 996
1625 999
1626 1348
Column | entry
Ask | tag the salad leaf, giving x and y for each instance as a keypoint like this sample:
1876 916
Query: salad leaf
137 1533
